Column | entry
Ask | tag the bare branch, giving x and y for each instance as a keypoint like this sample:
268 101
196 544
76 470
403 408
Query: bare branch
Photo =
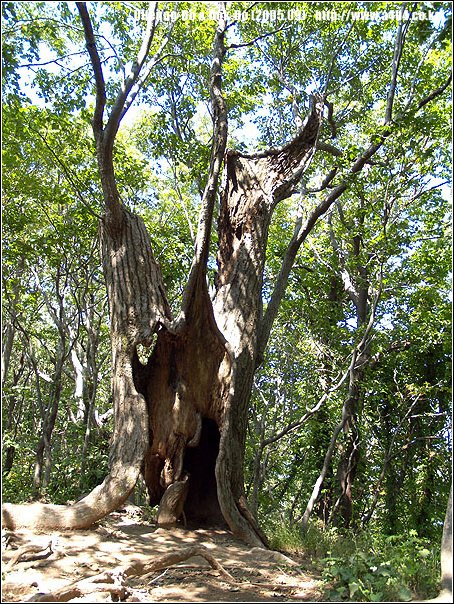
323 146
72 54
117 110
219 142
70 177
258 38
246 10
138 86
296 424
97 70
435 93
398 48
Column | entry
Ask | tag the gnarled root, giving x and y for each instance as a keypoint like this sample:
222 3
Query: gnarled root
114 581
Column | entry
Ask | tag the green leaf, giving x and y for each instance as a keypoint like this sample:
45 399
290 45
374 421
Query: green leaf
353 588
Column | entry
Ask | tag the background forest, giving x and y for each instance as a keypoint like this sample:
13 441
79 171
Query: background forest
364 327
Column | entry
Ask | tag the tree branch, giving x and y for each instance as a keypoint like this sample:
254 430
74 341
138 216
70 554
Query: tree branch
113 581
333 60
298 239
346 414
219 142
71 178
296 424
56 60
117 110
437 92
97 70
323 146
398 48
261 37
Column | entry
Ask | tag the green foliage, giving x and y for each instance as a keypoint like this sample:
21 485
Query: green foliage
74 471
371 568
365 566
387 237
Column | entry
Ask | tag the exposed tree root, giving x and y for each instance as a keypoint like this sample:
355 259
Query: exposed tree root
31 548
79 589
113 581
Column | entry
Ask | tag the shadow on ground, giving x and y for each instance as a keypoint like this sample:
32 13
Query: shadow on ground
124 537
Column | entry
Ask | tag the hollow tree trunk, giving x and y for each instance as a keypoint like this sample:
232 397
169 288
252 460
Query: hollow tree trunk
191 399
181 419
201 373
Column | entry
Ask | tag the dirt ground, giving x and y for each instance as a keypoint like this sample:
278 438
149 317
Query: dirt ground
124 537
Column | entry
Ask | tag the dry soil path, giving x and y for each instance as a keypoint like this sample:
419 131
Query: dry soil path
123 538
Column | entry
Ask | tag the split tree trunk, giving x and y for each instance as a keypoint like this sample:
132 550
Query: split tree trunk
201 373
181 419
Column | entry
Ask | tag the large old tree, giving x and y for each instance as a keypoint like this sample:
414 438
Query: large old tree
181 416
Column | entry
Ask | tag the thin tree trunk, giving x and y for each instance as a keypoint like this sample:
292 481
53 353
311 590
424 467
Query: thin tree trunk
14 415
319 482
7 348
446 549
43 464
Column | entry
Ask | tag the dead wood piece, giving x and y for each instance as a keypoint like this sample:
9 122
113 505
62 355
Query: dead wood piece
172 502
274 556
31 548
42 561
14 591
109 581
68 593
6 538
112 581
141 568
11 540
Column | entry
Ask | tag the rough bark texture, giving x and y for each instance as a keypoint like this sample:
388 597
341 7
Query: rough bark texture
186 375
255 184
191 400
200 373
357 287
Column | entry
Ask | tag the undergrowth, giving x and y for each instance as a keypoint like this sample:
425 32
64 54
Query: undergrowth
367 566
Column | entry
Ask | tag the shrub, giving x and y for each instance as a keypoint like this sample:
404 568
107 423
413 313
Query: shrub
366 566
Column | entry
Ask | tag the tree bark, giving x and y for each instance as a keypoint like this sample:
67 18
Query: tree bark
255 184
202 365
181 419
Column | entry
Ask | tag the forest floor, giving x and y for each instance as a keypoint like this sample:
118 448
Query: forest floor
48 563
